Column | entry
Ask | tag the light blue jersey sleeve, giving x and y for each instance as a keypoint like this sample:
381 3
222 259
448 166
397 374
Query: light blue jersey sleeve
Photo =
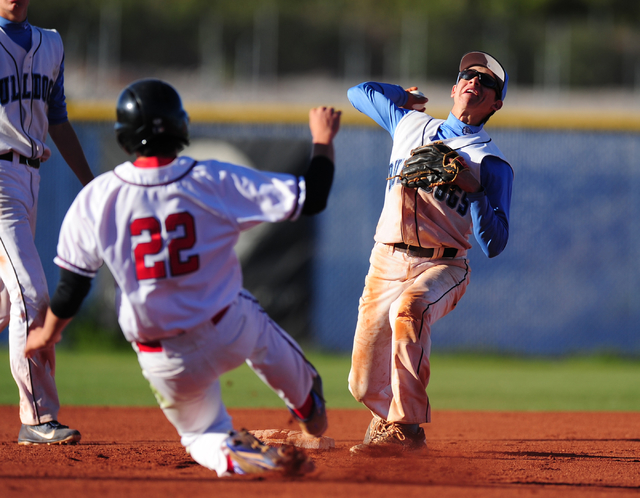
490 208
381 102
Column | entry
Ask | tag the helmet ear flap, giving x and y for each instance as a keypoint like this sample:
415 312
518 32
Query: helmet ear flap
150 119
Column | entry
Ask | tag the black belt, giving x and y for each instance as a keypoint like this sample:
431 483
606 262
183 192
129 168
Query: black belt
34 163
424 252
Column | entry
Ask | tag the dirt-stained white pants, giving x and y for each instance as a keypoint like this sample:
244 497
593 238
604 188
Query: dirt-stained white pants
24 296
402 298
184 376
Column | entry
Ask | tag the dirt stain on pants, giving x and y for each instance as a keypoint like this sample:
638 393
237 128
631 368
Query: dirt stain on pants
402 298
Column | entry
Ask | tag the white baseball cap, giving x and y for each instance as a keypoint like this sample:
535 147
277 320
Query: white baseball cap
485 60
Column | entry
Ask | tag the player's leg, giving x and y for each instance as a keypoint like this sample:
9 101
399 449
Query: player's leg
184 376
434 291
433 294
29 298
280 363
185 384
370 374
23 277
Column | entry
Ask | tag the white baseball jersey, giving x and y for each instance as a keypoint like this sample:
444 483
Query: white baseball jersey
428 224
167 235
26 81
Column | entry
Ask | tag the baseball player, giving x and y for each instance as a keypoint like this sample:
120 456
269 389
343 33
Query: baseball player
32 101
166 227
418 267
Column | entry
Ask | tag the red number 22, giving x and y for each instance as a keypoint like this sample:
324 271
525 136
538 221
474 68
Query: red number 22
155 245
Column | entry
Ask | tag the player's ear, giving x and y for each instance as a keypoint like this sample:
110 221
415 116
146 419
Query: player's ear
497 105
453 90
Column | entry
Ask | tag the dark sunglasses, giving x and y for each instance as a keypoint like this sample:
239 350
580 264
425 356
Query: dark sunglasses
484 78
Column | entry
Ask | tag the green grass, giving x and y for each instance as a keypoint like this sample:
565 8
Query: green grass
464 382
114 378
495 383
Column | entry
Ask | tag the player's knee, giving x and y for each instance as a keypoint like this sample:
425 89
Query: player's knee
357 389
357 395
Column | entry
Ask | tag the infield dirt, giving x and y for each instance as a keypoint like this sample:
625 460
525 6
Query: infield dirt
135 452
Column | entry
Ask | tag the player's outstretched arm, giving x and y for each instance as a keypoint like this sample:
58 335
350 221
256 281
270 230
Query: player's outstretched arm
66 140
324 123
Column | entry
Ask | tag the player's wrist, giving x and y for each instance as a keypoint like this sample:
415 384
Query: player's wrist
322 149
322 141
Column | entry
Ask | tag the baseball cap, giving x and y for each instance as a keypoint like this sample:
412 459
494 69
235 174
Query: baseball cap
483 59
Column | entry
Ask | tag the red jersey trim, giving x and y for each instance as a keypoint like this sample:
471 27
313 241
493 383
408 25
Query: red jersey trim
152 162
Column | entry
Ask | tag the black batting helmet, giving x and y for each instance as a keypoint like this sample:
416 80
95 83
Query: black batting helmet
150 116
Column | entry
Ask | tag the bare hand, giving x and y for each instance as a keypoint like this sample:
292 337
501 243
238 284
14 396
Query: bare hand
40 338
324 123
37 344
415 102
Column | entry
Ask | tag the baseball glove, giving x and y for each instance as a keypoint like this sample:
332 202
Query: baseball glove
431 165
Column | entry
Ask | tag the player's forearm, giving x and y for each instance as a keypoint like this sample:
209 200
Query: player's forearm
66 300
66 140
318 181
366 92
70 292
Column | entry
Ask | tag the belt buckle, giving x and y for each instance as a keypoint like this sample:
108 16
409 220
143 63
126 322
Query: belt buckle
34 163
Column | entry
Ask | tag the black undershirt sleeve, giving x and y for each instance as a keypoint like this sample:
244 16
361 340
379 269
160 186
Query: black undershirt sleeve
71 291
318 179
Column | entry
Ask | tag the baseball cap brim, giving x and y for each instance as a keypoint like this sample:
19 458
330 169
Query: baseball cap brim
483 59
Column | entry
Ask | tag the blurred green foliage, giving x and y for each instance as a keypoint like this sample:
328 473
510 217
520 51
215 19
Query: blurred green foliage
570 43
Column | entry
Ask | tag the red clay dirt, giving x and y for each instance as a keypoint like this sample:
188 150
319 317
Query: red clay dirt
136 452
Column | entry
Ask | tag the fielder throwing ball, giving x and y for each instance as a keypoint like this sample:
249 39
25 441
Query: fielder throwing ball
166 227
33 104
419 269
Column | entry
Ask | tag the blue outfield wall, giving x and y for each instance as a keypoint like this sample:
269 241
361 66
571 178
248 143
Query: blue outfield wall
568 281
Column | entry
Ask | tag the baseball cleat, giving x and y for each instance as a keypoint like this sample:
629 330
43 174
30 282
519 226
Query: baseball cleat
251 456
388 438
316 423
48 433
